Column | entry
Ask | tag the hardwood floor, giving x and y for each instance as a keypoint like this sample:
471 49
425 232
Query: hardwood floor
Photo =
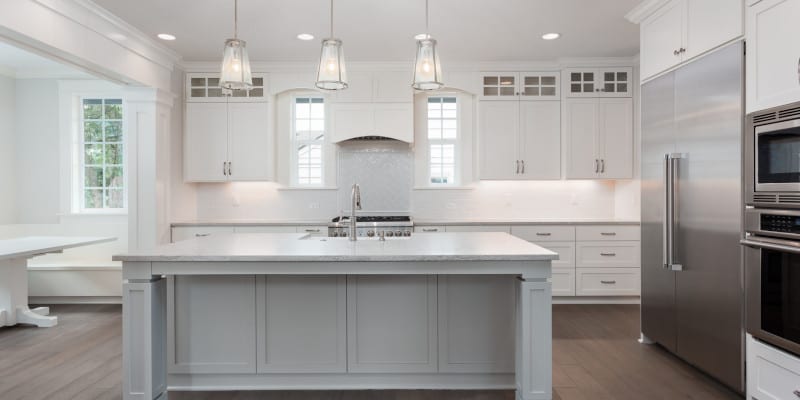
595 356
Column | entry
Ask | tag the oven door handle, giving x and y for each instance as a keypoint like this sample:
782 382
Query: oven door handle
770 246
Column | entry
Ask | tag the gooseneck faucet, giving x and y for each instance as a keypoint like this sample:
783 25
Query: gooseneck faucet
355 204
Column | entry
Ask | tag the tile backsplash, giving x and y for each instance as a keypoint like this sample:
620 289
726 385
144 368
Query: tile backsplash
384 169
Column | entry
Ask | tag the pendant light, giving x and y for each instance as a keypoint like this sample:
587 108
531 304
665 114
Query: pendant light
235 72
427 67
331 72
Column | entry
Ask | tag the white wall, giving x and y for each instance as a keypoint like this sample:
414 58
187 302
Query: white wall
7 157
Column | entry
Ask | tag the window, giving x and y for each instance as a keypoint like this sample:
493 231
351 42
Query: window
102 176
308 140
442 139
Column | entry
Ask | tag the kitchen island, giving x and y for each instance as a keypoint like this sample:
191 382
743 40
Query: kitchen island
293 311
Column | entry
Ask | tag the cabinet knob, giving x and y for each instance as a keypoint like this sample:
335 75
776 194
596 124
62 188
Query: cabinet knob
676 52
683 50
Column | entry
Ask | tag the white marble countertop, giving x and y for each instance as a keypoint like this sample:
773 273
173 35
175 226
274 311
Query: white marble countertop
25 247
420 222
282 247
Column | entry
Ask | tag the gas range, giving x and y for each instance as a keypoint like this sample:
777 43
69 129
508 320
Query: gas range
372 226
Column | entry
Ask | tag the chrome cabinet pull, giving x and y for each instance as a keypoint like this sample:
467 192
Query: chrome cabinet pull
608 254
201 234
229 169
608 233
602 165
596 165
225 168
430 229
523 166
312 230
608 282
675 52
518 166
542 233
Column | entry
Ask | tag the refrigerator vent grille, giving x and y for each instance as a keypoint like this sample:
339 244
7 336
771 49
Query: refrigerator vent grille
764 117
765 198
789 113
789 199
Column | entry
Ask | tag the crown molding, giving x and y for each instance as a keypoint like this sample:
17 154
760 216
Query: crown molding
97 19
644 10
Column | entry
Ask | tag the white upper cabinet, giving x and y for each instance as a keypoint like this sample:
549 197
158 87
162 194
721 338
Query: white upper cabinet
354 120
773 54
599 138
249 145
598 82
206 142
684 29
377 87
541 85
499 137
204 87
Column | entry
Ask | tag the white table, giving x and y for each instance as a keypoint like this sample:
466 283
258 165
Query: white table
14 255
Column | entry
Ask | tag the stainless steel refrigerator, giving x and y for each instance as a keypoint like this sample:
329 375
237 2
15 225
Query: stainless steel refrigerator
692 289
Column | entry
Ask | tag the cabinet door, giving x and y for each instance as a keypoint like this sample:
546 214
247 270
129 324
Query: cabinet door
211 324
499 86
581 130
391 323
394 120
540 139
251 147
615 82
351 120
476 323
773 54
359 89
615 120
661 36
392 87
205 149
499 134
563 281
539 85
203 87
582 83
302 324
710 23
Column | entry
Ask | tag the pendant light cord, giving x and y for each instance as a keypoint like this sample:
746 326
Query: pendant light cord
427 22
235 19
331 19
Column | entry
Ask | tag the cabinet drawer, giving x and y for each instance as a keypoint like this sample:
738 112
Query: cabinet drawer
190 232
772 374
429 229
544 233
479 228
607 232
563 281
608 254
607 281
565 250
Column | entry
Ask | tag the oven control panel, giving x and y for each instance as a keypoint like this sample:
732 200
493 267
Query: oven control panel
780 223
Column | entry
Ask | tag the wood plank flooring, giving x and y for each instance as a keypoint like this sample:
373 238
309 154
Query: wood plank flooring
595 356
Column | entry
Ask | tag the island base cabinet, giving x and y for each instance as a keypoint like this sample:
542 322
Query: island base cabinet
391 323
476 323
211 326
301 323
534 369
144 341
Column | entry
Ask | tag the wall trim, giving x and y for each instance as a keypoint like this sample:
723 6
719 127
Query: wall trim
644 10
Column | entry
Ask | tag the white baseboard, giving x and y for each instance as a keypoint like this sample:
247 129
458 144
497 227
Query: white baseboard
74 300
597 300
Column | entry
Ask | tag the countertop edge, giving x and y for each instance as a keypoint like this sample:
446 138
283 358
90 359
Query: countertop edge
416 223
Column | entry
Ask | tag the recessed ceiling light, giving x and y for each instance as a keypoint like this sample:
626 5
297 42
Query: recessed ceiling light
421 36
166 36
305 36
551 36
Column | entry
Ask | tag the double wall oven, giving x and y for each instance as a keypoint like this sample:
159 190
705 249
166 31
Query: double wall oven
772 226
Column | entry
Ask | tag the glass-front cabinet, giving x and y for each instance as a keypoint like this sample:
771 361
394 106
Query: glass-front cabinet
204 87
599 82
542 85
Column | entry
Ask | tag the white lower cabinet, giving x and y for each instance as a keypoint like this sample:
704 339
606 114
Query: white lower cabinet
202 345
772 374
620 254
476 324
391 323
301 324
563 281
607 281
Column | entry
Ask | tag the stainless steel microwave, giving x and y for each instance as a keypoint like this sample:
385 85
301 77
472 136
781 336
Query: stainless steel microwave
772 157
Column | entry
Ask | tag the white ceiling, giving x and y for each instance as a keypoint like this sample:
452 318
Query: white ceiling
23 64
382 30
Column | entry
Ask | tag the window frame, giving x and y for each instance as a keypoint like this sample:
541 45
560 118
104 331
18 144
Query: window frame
294 161
457 142
79 188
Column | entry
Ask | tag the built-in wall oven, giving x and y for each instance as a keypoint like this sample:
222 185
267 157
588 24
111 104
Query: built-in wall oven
772 281
772 157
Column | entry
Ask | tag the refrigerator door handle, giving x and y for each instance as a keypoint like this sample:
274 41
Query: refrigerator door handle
671 172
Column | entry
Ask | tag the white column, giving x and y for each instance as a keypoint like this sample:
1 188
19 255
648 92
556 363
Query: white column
534 361
144 344
148 128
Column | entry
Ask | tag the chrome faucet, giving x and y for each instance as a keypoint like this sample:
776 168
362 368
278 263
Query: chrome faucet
355 203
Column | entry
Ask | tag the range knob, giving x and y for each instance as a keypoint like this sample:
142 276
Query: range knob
370 233
334 234
343 234
389 233
398 233
407 233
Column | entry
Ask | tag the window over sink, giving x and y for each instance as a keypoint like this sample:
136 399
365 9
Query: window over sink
308 140
443 138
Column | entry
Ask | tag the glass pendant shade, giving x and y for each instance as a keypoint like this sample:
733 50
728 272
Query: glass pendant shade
427 68
331 72
236 72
